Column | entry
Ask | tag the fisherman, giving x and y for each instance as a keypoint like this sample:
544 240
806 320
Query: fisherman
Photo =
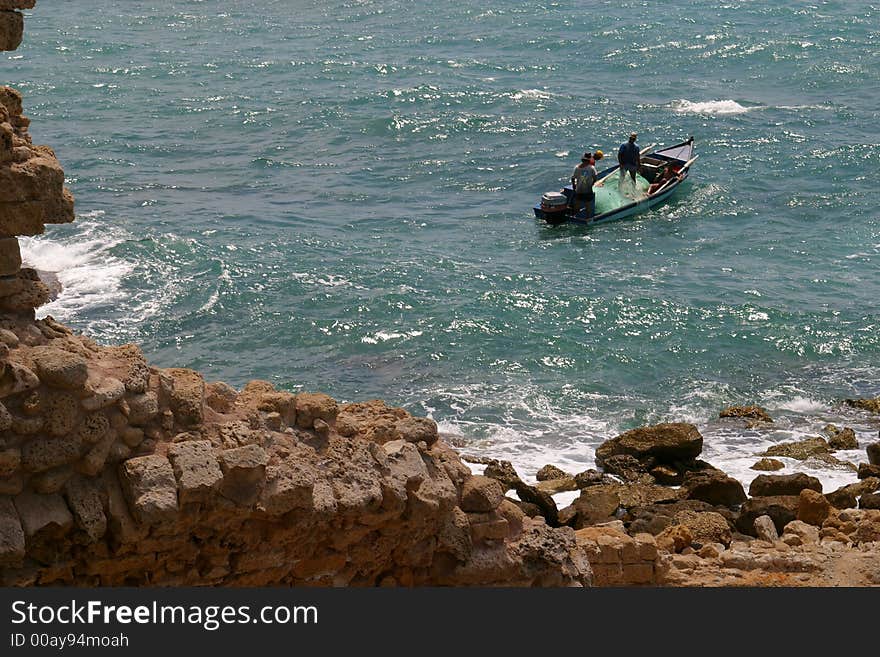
668 174
582 180
629 158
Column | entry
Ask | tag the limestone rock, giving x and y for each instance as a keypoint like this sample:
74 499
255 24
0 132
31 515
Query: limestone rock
186 396
748 412
93 428
806 533
220 396
59 368
550 472
666 443
713 487
782 509
244 473
706 526
313 406
873 451
767 464
801 449
15 379
289 485
104 392
481 495
871 405
813 507
765 530
417 429
150 487
674 539
841 438
793 484
628 468
594 505
142 408
86 501
12 545
40 454
866 470
196 469
43 514
11 29
51 481
62 414
553 486
10 461
845 496
10 251
869 501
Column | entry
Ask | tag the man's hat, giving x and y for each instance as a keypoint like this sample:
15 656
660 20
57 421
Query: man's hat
587 157
633 135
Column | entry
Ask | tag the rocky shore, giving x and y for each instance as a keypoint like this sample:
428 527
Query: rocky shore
114 471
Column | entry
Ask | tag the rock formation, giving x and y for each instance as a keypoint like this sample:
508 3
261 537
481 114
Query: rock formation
114 472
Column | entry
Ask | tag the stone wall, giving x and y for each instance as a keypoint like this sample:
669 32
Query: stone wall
113 472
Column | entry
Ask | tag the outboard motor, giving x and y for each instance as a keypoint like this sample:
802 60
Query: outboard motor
554 206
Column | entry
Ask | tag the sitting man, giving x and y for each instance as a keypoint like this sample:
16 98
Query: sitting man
668 174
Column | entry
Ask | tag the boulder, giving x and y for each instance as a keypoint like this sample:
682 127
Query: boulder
12 545
553 486
142 408
782 509
595 505
793 484
628 468
768 465
221 397
504 473
15 379
867 470
813 507
713 487
665 443
765 530
873 451
10 251
870 405
196 469
150 487
845 496
417 429
706 526
869 501
11 29
666 475
798 532
244 473
748 412
103 392
312 406
674 538
186 395
841 438
544 501
59 368
801 449
481 495
289 485
592 478
549 472
10 461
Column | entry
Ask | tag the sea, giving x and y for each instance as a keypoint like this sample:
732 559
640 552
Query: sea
337 196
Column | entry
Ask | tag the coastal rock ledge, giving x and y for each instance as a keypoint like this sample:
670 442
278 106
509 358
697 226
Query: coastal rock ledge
114 472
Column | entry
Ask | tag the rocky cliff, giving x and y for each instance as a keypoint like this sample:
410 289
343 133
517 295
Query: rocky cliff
114 472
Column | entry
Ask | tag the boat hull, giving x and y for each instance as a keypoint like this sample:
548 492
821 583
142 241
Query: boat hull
679 154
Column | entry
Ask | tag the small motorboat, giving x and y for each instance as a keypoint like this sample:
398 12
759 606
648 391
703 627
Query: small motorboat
660 174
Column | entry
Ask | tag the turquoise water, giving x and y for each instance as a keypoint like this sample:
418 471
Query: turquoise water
338 197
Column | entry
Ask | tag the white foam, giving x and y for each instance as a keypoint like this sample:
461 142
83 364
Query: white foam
89 274
684 106
803 405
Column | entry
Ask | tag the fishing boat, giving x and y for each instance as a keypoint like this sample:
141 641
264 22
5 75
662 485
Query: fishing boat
660 174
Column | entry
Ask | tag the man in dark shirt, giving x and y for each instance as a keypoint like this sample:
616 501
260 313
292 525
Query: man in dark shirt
629 159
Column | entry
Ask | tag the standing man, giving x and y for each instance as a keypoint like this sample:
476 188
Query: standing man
629 159
582 180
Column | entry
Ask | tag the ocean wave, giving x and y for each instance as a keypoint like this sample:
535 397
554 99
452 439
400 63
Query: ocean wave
712 107
90 275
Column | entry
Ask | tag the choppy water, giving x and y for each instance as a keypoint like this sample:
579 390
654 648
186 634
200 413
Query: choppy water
337 196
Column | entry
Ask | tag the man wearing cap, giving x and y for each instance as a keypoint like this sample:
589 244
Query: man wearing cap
629 159
582 180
